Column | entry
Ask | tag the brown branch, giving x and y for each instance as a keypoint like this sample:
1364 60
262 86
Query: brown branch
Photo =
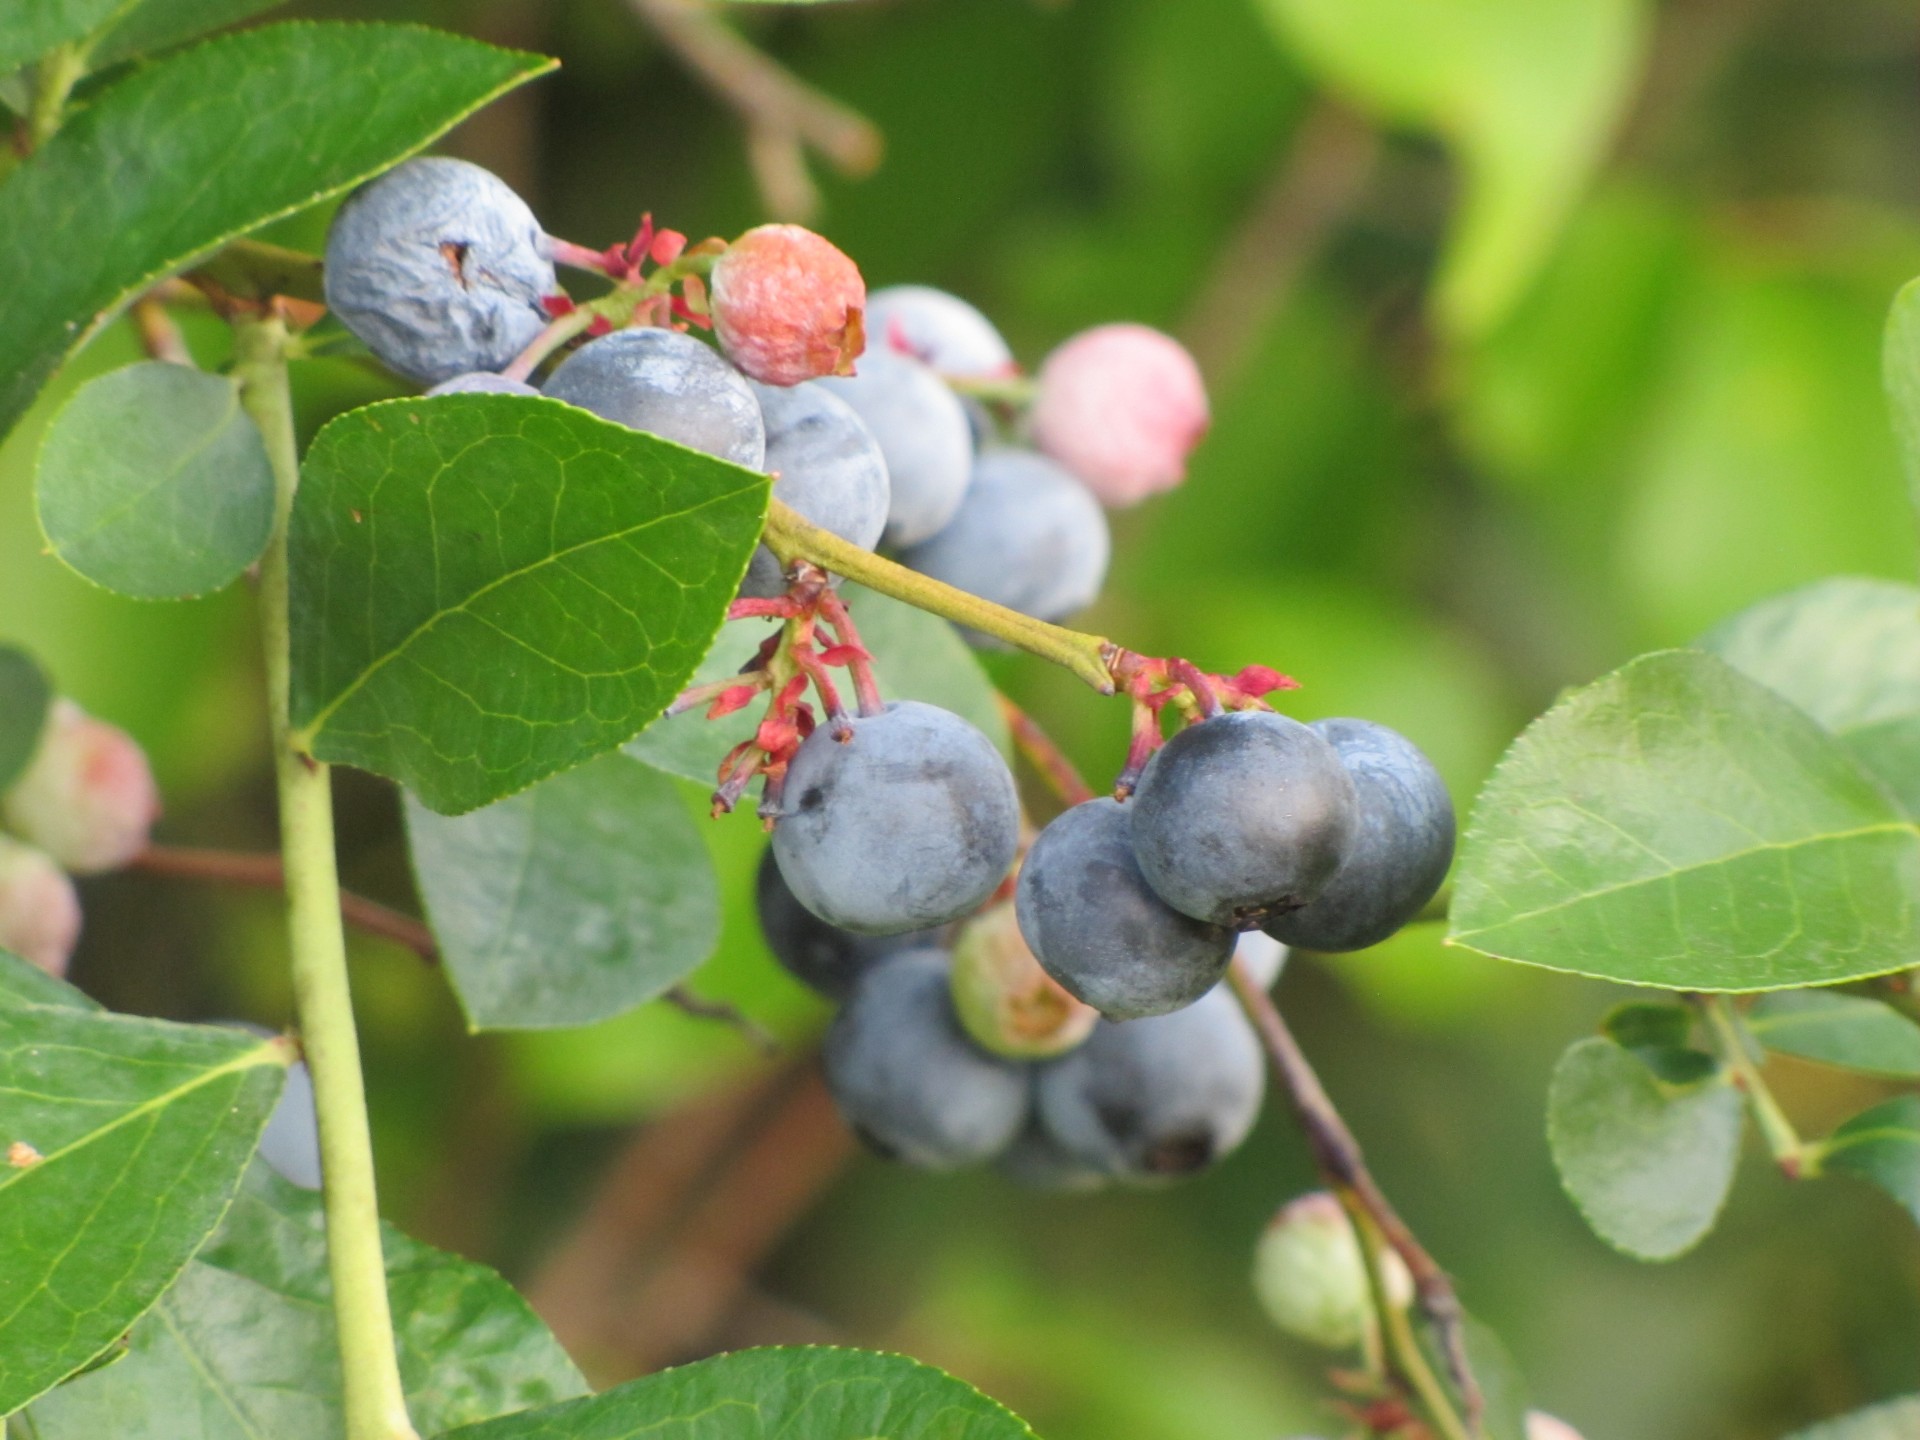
701 1008
264 872
784 115
159 333
1337 1155
1062 777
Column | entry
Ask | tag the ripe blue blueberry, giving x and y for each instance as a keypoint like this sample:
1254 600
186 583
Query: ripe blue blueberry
817 954
1037 1161
1400 850
910 822
826 465
666 384
1099 929
482 382
1243 817
1028 536
1156 1098
439 268
941 330
906 1078
923 433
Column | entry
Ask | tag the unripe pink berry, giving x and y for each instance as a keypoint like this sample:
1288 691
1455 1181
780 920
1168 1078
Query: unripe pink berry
788 306
1005 1001
88 797
1542 1426
39 908
1121 406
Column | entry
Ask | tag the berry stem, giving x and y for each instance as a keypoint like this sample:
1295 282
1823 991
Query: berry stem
1796 1159
375 1400
1337 1155
1045 756
793 538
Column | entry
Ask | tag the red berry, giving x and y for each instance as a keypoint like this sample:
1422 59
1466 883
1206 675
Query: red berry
788 305
1121 406
88 798
39 909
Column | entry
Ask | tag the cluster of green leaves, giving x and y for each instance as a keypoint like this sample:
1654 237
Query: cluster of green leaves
491 596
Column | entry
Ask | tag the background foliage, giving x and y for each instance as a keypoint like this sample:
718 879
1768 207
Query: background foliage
1636 405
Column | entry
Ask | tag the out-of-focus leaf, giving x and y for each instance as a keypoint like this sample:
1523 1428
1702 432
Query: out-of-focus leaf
571 902
1891 1420
1881 1145
794 1394
917 656
489 589
31 28
243 1347
1851 1031
25 984
1677 824
206 145
1846 651
1648 1164
1526 94
1900 369
121 1143
25 693
155 24
154 483
1642 1023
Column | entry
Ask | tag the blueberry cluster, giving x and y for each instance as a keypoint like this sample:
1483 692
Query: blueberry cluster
1328 836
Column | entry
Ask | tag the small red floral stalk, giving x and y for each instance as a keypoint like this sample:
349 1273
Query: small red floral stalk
1194 695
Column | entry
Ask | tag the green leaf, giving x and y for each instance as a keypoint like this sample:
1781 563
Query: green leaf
571 902
1881 1145
489 589
1847 651
1648 1164
178 158
143 1129
155 24
1890 1420
917 656
1851 1031
1679 825
794 1394
1526 94
154 483
243 1346
25 694
1643 1024
1900 367
31 28
22 983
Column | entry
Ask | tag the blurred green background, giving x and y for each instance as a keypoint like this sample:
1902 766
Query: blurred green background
1540 332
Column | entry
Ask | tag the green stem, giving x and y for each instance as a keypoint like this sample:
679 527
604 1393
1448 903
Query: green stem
793 538
1790 1153
53 81
1408 1359
375 1402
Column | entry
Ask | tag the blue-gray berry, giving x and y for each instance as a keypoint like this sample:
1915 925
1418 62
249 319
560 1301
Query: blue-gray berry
439 268
666 384
939 329
1099 929
826 465
482 382
1399 852
1243 817
906 1078
821 956
924 434
910 822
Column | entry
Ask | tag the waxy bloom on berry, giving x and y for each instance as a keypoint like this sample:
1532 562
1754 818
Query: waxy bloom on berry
1121 406
788 306
88 798
39 911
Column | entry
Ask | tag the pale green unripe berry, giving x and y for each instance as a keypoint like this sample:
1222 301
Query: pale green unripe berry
1311 1279
88 797
1542 1426
39 909
1007 1004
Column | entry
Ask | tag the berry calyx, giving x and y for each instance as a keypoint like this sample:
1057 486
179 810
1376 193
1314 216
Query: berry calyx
788 305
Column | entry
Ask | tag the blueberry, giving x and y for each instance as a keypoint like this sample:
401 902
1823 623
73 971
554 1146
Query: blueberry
1100 930
826 465
1400 850
290 1143
910 822
908 1082
1156 1098
1036 1160
1243 817
439 268
666 384
1028 536
924 434
939 329
815 953
482 382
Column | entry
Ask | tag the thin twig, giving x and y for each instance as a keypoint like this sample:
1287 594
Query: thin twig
1730 1033
1337 1155
159 332
1046 757
701 1008
784 115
